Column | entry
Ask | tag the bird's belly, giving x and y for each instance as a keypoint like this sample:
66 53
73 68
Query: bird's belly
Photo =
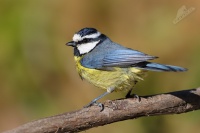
122 79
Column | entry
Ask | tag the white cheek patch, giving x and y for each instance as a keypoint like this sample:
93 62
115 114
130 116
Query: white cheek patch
87 47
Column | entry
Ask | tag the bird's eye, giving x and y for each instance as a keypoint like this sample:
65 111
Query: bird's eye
85 40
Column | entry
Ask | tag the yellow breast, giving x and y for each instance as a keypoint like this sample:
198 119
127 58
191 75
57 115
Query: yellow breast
119 78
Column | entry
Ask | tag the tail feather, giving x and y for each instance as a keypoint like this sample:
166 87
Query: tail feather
159 67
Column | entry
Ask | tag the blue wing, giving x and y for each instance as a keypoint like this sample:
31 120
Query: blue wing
114 58
125 58
106 59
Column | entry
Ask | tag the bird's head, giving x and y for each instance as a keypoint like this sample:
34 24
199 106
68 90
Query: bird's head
86 40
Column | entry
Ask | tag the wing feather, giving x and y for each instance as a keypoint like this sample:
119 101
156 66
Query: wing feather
124 58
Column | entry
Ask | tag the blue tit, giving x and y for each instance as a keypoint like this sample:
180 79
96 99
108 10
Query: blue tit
109 65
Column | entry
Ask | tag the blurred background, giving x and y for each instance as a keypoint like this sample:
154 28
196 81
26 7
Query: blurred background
38 77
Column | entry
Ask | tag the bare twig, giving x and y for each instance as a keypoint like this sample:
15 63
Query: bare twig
116 110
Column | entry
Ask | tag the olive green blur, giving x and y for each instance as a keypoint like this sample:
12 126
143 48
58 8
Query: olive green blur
37 71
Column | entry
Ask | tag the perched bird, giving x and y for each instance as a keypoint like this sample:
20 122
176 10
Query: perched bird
109 65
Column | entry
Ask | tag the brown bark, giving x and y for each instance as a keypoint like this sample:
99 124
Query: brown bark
116 110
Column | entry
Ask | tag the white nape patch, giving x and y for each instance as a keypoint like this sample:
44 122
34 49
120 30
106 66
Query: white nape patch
95 35
77 37
87 47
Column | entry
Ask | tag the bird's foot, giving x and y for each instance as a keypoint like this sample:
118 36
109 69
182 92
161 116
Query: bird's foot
129 95
95 103
137 97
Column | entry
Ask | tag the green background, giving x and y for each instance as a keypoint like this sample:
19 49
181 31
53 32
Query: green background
38 76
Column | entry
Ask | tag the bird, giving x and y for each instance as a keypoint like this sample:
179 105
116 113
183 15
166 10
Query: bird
109 65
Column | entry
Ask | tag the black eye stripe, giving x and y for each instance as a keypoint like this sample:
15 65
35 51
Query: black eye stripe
85 40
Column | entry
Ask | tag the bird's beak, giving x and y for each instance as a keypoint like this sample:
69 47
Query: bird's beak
72 43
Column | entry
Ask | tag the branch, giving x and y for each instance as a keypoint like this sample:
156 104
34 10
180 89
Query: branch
116 110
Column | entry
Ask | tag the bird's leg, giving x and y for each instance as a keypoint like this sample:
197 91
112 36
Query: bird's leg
109 90
128 95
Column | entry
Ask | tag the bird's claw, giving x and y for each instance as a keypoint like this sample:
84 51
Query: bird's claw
128 95
95 103
137 97
101 106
